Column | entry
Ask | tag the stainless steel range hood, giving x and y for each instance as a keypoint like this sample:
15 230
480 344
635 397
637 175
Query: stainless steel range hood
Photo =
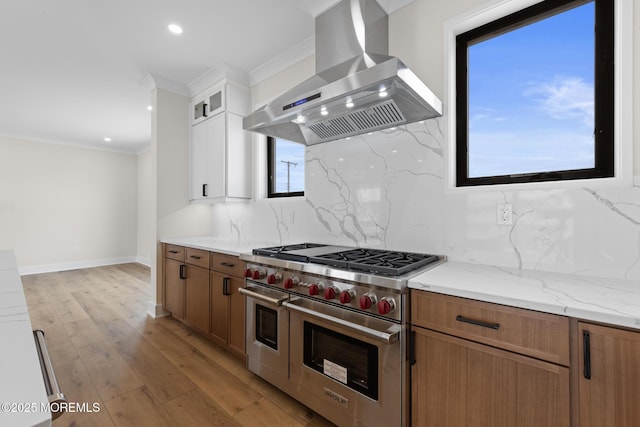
357 88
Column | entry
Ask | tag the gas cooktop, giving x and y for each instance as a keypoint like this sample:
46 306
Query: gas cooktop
374 261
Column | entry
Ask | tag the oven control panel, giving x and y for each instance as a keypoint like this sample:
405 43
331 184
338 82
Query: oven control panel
363 298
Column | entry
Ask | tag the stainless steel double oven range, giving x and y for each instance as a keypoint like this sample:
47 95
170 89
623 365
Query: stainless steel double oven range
327 325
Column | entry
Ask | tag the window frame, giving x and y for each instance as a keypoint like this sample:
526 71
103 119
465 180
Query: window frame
271 168
604 88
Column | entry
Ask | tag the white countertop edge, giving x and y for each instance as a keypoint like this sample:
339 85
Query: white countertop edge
611 301
215 244
22 383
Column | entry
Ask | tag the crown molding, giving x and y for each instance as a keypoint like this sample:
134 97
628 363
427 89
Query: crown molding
154 81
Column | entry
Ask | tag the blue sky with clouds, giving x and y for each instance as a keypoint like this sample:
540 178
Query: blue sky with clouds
531 97
287 151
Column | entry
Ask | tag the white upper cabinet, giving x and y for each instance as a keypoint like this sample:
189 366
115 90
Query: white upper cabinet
224 96
220 149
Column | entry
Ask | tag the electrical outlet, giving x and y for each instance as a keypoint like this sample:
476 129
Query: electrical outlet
504 214
290 217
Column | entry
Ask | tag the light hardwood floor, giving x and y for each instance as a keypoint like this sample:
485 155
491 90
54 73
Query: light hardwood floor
143 371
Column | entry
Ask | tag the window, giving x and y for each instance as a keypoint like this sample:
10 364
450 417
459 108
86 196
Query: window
535 95
285 167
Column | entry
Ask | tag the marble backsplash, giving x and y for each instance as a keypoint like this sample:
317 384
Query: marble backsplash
387 190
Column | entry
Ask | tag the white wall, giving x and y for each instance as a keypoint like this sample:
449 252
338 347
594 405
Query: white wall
146 233
66 207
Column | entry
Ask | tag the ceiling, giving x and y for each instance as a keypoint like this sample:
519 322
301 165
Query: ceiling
72 70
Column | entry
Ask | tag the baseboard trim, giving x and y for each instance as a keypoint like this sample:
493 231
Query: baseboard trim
51 268
144 261
156 310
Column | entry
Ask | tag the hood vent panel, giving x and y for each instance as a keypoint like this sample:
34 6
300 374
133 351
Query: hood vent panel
314 111
378 117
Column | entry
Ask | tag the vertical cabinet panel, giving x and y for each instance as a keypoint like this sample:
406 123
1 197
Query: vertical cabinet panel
173 288
219 308
610 397
238 158
236 317
197 297
217 156
199 169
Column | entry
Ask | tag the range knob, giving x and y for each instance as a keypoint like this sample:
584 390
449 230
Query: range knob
367 300
315 288
272 279
258 274
331 292
346 296
386 305
291 282
248 273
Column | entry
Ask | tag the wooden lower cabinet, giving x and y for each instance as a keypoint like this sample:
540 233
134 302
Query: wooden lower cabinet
201 290
173 288
236 317
609 372
197 297
460 383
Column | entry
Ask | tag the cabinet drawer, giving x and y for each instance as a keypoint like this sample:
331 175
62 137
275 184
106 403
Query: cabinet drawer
198 257
227 264
174 252
541 335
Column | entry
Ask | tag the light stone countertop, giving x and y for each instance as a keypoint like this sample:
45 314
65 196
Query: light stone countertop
598 299
22 392
225 246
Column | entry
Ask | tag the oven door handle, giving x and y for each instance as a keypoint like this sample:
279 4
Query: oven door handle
387 337
276 302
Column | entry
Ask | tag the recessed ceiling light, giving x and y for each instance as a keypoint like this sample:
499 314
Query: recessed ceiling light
149 107
175 29
107 139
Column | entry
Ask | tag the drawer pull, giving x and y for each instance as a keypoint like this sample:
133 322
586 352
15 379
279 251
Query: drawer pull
586 354
173 252
227 264
195 256
463 319
48 375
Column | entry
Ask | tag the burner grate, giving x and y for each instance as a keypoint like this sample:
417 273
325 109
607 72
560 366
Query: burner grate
375 261
288 252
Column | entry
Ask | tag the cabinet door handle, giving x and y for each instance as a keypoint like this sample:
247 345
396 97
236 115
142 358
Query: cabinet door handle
225 286
586 354
463 319
205 193
412 348
227 264
183 271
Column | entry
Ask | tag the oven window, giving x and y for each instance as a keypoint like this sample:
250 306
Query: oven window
343 358
267 326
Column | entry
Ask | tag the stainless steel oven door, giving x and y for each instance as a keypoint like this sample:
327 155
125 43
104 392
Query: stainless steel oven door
267 334
347 366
